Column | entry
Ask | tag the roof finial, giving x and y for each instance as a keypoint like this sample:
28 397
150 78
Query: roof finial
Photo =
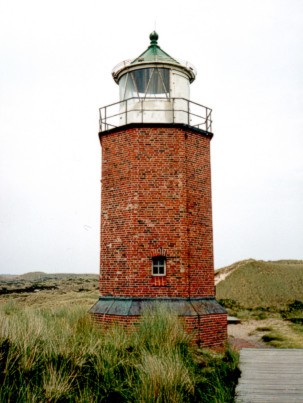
153 38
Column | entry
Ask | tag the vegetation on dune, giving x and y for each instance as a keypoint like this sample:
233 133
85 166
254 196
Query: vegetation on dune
49 290
271 292
56 354
264 284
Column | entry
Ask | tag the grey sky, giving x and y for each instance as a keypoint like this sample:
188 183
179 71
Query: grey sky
56 59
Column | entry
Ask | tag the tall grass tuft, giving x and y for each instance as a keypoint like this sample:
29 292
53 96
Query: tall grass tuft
57 383
164 378
165 371
160 330
59 355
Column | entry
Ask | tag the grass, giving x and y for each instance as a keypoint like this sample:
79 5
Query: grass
55 354
270 285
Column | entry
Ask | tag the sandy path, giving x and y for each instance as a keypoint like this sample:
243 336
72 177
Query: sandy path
249 333
246 335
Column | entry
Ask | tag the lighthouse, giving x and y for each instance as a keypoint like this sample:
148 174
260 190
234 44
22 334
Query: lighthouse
156 208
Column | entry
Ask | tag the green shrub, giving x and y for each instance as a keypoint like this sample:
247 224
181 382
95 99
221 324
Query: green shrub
274 339
293 312
264 329
229 303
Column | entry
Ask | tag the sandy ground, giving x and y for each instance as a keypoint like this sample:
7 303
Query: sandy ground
248 333
246 330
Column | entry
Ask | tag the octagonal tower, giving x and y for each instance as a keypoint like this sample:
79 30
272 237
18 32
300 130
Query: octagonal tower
156 209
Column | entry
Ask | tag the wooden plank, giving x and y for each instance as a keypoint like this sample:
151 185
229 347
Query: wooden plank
270 375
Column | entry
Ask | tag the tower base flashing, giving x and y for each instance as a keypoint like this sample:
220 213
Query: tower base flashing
132 306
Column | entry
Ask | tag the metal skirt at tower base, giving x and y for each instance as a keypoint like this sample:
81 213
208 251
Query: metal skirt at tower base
203 318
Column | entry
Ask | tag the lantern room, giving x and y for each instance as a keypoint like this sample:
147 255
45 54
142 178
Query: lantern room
154 88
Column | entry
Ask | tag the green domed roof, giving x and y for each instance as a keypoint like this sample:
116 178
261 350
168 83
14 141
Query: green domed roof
154 53
151 57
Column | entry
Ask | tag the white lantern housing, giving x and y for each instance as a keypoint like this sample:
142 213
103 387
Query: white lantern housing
154 87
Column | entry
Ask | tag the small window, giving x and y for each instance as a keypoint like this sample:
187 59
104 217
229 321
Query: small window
159 266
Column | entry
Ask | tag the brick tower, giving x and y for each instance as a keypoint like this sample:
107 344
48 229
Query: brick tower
156 207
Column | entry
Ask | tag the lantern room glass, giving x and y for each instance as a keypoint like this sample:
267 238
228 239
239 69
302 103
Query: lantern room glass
145 83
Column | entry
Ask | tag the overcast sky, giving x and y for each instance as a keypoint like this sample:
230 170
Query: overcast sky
56 59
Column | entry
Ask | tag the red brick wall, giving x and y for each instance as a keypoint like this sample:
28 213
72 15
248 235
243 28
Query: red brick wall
209 331
107 320
213 330
199 216
156 199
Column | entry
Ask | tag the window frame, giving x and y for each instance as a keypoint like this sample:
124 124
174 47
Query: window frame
160 75
156 265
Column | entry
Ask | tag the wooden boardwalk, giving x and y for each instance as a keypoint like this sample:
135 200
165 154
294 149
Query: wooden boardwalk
270 375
